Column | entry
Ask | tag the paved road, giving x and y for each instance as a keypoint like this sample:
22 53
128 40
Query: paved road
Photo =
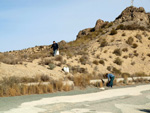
135 99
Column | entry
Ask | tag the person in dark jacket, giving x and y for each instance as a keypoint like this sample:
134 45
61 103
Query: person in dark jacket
55 47
111 78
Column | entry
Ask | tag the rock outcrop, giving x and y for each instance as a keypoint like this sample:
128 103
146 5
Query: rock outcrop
133 15
83 32
99 24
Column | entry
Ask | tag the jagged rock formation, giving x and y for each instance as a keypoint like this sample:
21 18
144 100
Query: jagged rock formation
83 32
130 16
99 24
133 15
96 50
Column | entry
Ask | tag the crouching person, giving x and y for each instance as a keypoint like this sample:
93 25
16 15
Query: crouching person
111 78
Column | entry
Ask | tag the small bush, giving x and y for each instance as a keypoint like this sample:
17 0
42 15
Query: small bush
134 45
132 63
102 62
82 80
95 62
58 85
131 27
121 26
116 71
126 56
77 69
125 49
123 34
113 32
138 36
103 43
110 24
59 58
145 34
117 52
83 60
51 66
45 78
130 41
118 61
136 54
148 54
45 62
66 87
140 74
109 68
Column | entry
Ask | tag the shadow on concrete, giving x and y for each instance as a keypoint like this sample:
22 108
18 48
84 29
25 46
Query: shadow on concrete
145 110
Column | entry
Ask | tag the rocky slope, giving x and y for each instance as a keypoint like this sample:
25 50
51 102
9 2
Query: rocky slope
121 46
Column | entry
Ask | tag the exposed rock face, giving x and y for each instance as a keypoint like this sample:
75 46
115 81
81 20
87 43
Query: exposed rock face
130 16
133 15
99 24
83 33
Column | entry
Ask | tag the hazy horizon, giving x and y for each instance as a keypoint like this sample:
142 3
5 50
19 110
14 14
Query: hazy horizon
29 23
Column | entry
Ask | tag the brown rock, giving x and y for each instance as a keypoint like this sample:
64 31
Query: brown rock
83 33
133 15
98 25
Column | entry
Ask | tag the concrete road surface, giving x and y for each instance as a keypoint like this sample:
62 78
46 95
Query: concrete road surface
133 99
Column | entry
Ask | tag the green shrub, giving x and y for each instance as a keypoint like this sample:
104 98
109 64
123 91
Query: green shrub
118 61
145 34
124 75
123 34
105 25
132 63
59 58
102 62
95 62
121 26
113 32
131 27
109 68
130 41
116 71
117 52
45 62
82 80
110 24
45 78
148 54
138 36
125 49
134 45
51 66
140 74
125 56
83 60
136 54
103 43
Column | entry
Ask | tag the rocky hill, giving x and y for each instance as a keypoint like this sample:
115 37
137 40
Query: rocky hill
120 47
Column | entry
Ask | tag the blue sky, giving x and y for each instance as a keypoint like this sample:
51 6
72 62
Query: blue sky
29 23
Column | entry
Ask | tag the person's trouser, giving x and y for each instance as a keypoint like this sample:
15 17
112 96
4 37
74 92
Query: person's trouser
111 81
55 51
